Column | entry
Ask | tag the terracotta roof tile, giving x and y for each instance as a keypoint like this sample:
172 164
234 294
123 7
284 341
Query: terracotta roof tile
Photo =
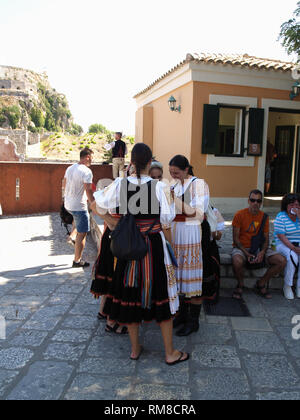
228 59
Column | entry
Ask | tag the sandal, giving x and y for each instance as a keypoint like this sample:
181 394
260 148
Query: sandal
101 317
259 290
180 360
115 328
135 359
238 294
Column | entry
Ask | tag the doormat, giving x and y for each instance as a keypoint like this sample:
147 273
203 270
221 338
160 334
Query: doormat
227 307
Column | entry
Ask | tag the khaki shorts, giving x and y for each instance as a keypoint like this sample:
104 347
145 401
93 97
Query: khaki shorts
118 167
269 253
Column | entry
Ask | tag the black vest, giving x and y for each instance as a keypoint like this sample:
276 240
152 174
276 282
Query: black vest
119 149
139 200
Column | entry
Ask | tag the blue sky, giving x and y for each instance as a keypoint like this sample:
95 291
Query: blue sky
102 52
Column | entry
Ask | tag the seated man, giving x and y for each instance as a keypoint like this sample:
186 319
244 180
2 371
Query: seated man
246 225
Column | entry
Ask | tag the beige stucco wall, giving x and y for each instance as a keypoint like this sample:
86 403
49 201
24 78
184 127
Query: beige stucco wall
172 130
175 133
144 125
225 181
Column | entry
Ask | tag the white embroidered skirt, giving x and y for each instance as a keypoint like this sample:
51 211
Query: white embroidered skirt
186 238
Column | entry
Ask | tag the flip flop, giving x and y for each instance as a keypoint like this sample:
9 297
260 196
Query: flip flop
179 360
259 290
137 358
237 295
109 329
101 317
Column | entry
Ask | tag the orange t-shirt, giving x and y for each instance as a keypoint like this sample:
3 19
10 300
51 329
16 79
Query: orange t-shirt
249 225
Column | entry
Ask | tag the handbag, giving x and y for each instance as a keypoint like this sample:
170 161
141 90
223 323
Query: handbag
211 218
66 217
127 241
257 243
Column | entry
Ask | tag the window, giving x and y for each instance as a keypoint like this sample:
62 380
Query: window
224 130
231 131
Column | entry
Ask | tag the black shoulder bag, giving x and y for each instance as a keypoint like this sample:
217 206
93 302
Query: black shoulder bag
127 241
66 217
257 243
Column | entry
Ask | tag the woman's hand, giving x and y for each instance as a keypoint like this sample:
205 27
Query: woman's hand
297 250
217 236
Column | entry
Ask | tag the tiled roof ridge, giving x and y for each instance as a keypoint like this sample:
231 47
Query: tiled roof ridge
242 60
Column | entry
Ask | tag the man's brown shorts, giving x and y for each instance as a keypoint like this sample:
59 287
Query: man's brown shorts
269 253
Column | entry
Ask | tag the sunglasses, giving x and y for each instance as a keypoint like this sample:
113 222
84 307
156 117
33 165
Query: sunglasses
253 200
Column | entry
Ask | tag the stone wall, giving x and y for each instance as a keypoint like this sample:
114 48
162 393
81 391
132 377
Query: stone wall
12 84
23 140
33 138
16 93
29 78
19 137
8 152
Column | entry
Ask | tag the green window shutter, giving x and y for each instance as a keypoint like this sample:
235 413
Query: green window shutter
211 118
256 131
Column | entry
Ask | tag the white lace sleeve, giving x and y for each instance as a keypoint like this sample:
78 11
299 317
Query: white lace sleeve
109 198
200 196
167 205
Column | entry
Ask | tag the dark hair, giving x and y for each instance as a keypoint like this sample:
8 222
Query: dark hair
85 152
289 199
118 133
140 157
182 163
256 192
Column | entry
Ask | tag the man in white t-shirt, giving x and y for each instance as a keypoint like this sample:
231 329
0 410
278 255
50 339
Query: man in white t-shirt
78 191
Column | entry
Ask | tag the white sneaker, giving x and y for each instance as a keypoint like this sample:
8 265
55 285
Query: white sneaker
288 293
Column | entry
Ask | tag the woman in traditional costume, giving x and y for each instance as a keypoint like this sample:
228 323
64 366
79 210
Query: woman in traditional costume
145 290
191 197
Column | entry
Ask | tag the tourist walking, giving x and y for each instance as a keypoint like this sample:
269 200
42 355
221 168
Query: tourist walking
287 237
143 290
78 187
251 246
191 197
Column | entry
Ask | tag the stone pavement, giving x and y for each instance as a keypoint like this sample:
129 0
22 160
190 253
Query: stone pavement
56 349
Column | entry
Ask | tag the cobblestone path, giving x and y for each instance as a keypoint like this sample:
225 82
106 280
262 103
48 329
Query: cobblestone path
55 348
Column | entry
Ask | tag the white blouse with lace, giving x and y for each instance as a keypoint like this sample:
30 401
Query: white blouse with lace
109 198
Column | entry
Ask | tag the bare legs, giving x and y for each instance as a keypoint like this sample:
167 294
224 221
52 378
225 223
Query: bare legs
238 267
277 265
79 246
167 333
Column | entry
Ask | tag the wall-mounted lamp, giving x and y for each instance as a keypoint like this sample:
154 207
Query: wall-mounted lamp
295 90
172 104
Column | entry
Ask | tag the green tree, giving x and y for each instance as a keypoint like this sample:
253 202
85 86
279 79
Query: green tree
75 130
290 34
49 122
97 129
13 114
37 117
